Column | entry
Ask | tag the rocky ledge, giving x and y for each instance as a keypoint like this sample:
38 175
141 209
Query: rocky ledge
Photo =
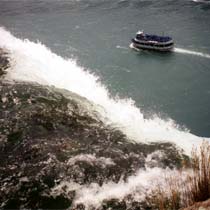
205 205
49 136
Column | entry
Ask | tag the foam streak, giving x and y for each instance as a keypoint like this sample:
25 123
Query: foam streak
190 52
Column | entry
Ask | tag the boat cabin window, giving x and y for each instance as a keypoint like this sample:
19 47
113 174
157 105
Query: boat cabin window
140 36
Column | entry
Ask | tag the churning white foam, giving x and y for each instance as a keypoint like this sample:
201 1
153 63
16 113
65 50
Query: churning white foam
35 62
138 186
91 159
191 52
132 47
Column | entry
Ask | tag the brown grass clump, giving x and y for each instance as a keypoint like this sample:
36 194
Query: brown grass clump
199 181
167 197
185 190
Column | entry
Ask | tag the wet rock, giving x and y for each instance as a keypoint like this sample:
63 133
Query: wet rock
114 204
205 205
49 136
4 62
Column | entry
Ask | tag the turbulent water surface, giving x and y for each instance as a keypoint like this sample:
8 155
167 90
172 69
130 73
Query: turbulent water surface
86 121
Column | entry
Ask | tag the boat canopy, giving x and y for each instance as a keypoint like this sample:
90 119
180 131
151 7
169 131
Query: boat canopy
146 37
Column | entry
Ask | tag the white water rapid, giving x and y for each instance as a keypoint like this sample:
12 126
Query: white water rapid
35 62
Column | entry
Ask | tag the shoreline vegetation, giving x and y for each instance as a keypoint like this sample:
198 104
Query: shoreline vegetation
189 191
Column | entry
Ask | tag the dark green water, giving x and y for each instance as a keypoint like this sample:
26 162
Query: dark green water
97 33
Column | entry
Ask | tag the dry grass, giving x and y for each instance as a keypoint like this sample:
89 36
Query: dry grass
182 192
199 181
167 197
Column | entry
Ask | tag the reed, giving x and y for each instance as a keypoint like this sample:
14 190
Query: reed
185 189
199 180
166 199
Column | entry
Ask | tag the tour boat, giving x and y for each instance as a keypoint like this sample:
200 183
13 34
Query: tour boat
152 42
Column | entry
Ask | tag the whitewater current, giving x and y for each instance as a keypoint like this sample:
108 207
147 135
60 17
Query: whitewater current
139 186
34 62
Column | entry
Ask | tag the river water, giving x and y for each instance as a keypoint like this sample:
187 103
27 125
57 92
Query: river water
168 90
83 46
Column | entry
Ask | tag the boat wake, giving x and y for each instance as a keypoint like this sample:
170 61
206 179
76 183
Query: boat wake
121 47
180 50
34 62
202 1
190 52
132 47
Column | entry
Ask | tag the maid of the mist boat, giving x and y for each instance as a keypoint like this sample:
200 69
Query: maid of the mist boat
152 42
